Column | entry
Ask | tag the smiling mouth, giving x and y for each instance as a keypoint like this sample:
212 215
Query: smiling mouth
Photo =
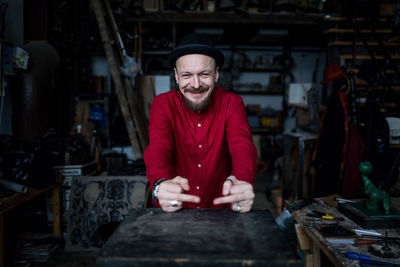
197 91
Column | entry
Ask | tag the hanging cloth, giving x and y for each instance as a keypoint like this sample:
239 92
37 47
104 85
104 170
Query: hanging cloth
375 132
352 186
331 146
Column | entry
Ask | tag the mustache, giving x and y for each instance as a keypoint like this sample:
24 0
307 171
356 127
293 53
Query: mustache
196 90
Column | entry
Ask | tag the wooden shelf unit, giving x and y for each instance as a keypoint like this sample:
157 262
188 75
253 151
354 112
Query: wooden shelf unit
11 202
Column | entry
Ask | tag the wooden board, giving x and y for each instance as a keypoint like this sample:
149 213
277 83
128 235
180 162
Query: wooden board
114 64
198 237
10 202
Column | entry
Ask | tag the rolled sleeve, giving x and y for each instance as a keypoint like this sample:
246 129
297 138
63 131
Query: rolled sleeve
241 148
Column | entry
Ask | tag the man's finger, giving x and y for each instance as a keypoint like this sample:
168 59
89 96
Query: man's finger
241 187
228 199
228 184
226 188
244 206
165 195
182 181
170 186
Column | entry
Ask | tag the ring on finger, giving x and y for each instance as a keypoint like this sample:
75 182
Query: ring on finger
174 203
230 180
239 208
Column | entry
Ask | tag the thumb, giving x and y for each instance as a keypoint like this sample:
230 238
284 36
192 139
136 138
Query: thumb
183 182
227 186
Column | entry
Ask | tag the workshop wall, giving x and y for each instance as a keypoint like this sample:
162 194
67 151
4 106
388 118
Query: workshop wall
13 34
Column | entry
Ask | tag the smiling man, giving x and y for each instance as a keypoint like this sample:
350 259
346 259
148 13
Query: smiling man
200 153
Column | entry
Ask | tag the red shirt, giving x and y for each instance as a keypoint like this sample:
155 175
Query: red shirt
201 147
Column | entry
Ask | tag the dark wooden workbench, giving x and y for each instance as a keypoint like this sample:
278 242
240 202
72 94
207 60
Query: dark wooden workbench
198 237
336 253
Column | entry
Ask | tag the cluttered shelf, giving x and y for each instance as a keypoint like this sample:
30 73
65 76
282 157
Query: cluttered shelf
228 17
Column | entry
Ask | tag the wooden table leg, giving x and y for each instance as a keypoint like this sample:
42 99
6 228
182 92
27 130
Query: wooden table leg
56 194
316 254
305 245
1 239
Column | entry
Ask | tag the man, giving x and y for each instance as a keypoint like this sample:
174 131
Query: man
198 135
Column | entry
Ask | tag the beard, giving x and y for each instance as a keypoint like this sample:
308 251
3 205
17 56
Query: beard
200 106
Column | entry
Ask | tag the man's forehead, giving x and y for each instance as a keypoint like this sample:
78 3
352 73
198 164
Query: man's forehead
188 60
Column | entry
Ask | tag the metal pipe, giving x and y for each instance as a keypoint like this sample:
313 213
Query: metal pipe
14 186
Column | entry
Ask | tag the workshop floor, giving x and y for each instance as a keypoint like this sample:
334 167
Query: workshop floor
261 202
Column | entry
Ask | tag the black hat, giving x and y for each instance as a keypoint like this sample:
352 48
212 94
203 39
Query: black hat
195 43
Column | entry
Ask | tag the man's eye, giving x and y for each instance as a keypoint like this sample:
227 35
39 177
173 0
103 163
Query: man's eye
206 74
185 75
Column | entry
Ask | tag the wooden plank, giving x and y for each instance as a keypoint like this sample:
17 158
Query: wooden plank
136 108
305 242
10 202
357 70
326 18
228 17
116 75
316 255
379 87
341 30
56 193
366 57
308 258
349 43
318 245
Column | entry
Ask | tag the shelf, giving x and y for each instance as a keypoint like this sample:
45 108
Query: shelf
385 105
366 57
387 71
271 92
338 18
336 30
264 69
349 43
266 130
277 18
261 69
379 87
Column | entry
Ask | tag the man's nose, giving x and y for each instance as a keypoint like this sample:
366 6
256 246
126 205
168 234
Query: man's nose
195 81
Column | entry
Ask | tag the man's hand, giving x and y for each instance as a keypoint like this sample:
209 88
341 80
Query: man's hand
170 194
239 193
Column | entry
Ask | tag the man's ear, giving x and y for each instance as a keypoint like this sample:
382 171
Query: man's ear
216 74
